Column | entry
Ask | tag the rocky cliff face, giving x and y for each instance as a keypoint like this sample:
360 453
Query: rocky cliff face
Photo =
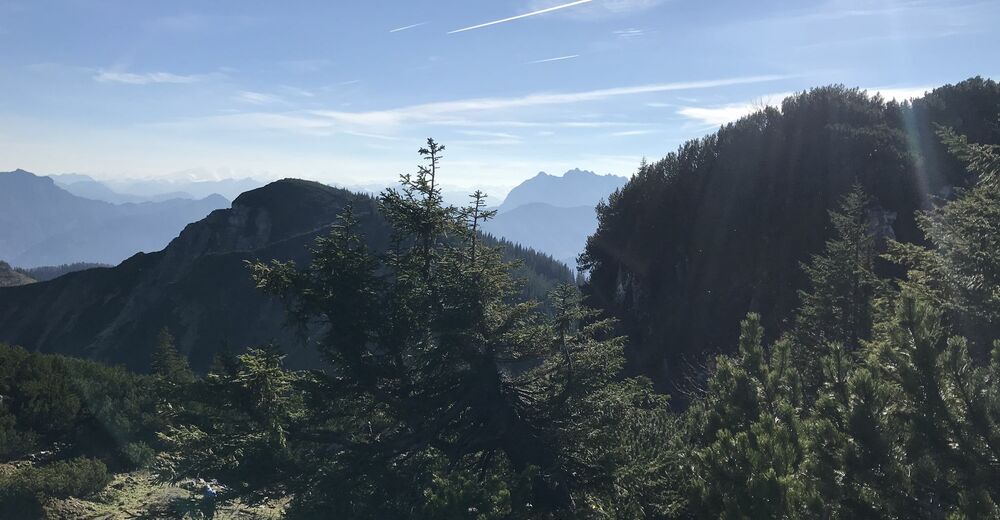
11 278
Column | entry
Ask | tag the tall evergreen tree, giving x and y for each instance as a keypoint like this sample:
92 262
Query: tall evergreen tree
436 372
168 363
839 307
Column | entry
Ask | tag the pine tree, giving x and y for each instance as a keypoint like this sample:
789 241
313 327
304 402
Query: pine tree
168 363
747 435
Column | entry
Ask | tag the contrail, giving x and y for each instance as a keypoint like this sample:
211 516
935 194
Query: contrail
560 58
397 29
525 15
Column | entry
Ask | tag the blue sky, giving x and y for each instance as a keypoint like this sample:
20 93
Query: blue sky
344 92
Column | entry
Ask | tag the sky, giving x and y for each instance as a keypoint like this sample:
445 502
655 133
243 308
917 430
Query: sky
346 91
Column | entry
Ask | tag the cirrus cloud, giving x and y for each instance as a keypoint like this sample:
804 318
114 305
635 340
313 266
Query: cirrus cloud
146 78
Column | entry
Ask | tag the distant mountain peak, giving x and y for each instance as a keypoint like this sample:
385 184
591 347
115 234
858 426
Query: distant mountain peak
574 188
281 191
23 173
575 172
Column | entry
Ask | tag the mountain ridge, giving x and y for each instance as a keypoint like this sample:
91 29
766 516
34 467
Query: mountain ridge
197 286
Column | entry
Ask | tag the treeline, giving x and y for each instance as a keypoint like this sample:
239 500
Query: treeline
49 272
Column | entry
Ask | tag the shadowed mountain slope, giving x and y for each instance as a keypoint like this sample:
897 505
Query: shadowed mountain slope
198 286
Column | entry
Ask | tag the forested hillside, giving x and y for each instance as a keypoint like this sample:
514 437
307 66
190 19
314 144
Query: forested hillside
720 227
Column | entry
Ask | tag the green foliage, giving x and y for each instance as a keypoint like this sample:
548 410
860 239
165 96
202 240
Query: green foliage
99 411
905 428
168 363
962 272
839 309
23 492
78 477
233 423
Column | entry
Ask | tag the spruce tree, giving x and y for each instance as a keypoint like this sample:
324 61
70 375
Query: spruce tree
839 307
169 364
435 367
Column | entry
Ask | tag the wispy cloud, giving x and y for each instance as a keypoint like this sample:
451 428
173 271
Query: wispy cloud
604 9
484 120
560 58
628 133
630 33
405 27
722 114
483 142
520 16
506 123
293 122
495 135
919 16
900 93
716 116
256 121
131 78
451 109
369 135
296 91
258 98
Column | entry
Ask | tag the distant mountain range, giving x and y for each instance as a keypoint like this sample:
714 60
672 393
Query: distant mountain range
199 287
120 191
553 214
68 218
44 224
